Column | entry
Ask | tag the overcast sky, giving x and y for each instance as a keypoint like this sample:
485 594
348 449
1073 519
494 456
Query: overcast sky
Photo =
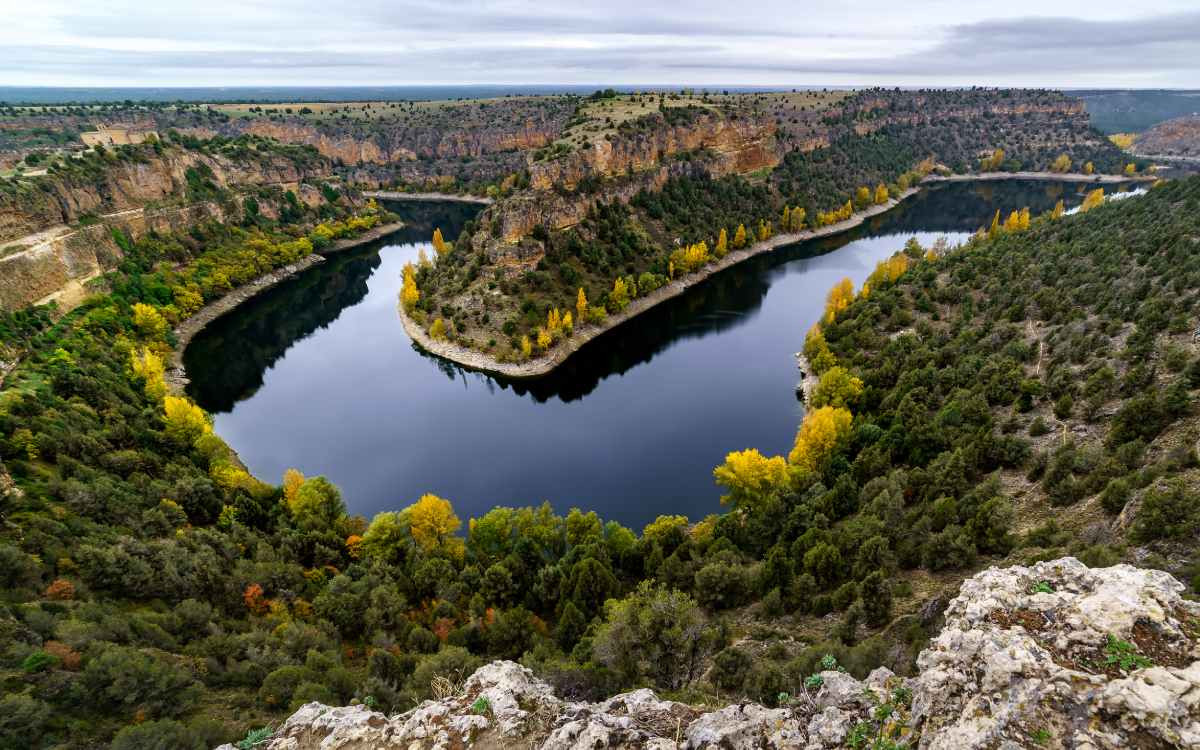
1069 43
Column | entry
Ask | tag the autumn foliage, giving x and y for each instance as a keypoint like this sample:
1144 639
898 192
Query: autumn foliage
254 600
60 589
821 433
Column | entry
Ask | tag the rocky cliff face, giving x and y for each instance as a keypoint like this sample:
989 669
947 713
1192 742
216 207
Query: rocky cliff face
127 185
563 190
1054 655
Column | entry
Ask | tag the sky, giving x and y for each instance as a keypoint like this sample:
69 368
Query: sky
1068 44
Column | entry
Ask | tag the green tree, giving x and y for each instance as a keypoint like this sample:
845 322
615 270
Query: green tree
655 634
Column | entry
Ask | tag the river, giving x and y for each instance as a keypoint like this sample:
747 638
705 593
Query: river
318 374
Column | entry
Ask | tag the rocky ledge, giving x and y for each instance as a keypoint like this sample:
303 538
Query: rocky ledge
1053 655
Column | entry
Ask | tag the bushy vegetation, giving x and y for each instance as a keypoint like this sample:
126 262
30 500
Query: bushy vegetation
156 593
860 152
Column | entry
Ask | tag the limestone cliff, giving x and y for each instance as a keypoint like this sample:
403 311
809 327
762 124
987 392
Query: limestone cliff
562 190
42 256
1053 655
121 185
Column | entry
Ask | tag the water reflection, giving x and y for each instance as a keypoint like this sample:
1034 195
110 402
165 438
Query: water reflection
318 374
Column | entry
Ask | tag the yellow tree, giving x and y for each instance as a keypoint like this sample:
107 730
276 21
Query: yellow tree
148 322
785 221
798 216
439 244
526 346
862 197
183 421
149 367
543 339
764 230
753 480
739 237
619 296
837 387
816 350
1013 222
437 331
409 294
995 228
292 480
1131 169
1061 164
433 522
1024 218
881 194
840 297
722 247
568 323
1058 210
1094 198
581 305
1089 168
821 433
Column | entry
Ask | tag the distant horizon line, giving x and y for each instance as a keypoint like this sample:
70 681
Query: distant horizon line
11 95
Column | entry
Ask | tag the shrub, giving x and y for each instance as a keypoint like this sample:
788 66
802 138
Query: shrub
165 734
22 720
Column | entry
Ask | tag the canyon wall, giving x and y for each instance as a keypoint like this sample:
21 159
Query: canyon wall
563 190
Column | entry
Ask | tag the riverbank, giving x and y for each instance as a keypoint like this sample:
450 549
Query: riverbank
389 195
543 365
539 366
176 375
1102 179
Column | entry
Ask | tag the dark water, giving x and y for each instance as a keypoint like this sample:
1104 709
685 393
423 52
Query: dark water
318 374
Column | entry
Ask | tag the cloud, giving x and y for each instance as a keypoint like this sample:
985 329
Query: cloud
1044 46
299 42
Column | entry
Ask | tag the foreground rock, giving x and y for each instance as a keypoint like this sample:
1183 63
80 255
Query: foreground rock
1054 655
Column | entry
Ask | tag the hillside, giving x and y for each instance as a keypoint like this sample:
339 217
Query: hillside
1135 110
57 227
643 198
1028 657
1027 396
1177 137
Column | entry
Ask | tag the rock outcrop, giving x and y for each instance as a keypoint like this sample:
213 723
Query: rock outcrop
1053 655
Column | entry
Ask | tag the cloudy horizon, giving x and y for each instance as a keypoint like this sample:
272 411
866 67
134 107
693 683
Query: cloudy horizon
1098 44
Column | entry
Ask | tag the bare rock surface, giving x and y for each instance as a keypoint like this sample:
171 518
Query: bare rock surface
1052 655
